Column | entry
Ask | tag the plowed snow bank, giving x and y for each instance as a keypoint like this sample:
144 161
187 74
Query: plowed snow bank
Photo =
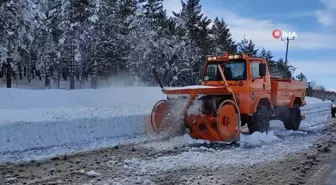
21 136
315 104
34 122
122 96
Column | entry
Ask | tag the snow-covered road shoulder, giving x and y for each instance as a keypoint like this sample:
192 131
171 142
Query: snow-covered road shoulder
206 157
315 105
39 123
24 135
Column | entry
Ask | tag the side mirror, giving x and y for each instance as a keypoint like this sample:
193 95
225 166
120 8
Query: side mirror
262 69
332 100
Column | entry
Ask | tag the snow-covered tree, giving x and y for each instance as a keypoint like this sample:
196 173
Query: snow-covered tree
301 77
100 39
247 47
222 38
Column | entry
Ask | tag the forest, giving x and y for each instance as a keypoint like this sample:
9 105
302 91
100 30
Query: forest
77 40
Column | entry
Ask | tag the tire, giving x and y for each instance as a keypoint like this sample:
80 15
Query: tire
261 122
293 120
333 113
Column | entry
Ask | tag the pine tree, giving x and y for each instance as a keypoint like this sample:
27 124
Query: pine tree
284 68
193 30
204 40
20 20
248 47
126 9
75 15
106 38
222 38
269 58
80 11
301 77
110 47
266 54
194 23
189 18
155 12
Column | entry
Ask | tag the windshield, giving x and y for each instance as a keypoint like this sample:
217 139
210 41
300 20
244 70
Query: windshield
233 70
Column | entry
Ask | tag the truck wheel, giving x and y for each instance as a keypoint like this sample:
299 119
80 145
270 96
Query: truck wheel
293 120
261 122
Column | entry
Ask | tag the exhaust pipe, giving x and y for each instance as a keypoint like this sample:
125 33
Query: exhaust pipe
157 78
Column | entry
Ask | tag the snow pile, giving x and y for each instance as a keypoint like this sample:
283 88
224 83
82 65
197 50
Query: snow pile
258 138
37 123
312 100
21 136
315 121
129 180
219 159
9 116
315 105
175 142
190 87
92 173
142 97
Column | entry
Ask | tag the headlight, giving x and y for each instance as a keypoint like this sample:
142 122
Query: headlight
237 56
333 105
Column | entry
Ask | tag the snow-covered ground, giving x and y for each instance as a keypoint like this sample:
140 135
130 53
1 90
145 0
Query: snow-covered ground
142 97
254 149
42 123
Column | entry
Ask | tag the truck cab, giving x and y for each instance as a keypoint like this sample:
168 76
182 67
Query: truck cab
248 77
254 88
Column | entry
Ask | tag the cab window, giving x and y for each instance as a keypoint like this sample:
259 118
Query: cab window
233 70
255 70
211 73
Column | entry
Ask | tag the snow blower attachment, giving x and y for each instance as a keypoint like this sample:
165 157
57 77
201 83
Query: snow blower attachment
204 112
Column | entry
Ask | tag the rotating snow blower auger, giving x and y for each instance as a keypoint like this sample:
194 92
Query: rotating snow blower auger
205 115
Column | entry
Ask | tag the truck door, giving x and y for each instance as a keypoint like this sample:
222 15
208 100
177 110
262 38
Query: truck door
258 85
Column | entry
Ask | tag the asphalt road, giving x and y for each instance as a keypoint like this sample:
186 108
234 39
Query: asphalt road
331 175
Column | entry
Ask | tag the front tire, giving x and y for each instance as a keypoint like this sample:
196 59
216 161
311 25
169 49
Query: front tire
261 122
293 120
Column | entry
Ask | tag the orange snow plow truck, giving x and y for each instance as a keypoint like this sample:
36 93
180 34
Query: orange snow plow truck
235 90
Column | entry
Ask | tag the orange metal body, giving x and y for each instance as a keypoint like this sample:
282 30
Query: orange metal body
223 125
280 92
239 100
